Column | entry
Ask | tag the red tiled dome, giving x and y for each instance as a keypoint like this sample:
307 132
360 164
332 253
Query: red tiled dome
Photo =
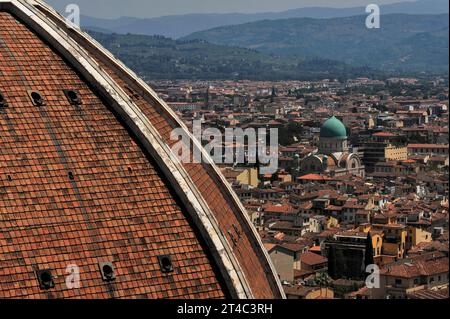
83 182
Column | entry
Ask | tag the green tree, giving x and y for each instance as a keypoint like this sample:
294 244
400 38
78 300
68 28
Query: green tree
323 280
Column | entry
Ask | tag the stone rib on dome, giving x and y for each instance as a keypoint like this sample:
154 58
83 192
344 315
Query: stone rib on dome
333 128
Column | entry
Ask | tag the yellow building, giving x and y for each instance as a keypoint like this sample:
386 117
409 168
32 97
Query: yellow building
416 236
393 153
245 176
377 238
249 177
303 292
332 222
394 241
377 243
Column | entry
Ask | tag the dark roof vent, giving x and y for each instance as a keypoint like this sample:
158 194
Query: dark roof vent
45 279
36 98
71 177
165 262
73 97
3 102
107 270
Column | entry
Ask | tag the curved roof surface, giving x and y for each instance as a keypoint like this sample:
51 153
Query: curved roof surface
90 183
333 128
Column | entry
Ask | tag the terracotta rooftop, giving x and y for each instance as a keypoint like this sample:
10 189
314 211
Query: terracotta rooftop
310 258
87 180
313 177
295 247
419 268
315 249
280 209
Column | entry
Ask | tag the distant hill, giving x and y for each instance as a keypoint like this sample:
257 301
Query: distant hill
157 57
182 25
411 43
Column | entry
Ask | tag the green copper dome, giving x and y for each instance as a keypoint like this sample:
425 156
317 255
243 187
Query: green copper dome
333 128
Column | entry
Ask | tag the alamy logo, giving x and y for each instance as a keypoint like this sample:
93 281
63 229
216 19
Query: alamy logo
234 146
373 280
73 15
373 19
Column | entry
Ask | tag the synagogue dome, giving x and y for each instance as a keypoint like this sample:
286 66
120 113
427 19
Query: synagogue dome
333 128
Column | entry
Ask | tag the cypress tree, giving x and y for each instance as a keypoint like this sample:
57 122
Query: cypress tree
368 258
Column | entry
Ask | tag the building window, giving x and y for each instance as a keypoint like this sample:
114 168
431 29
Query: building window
36 98
398 282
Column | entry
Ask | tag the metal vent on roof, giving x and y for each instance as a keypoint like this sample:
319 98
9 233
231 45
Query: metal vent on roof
36 98
73 97
107 271
45 279
165 262
3 102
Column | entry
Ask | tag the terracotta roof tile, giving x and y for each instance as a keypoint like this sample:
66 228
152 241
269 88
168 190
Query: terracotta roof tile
105 212
310 258
419 268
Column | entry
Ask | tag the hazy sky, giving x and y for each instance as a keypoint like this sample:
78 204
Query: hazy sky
155 8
